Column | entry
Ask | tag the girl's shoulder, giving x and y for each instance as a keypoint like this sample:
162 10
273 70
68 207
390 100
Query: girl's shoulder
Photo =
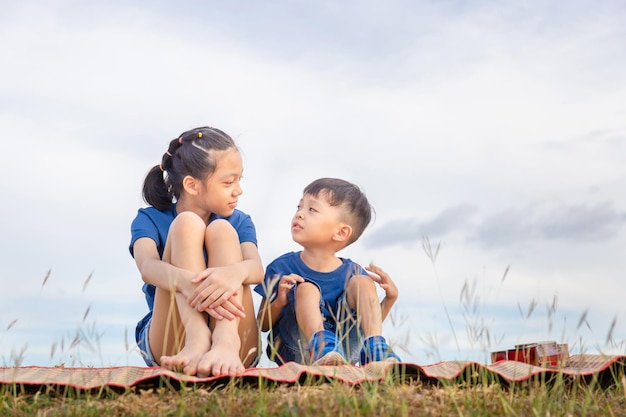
156 214
238 216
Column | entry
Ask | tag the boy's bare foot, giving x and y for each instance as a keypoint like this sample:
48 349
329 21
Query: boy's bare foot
220 360
187 359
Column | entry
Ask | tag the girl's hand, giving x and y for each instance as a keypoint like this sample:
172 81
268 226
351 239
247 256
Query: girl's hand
285 284
384 280
215 292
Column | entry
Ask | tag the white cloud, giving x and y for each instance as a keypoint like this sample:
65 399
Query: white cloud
500 122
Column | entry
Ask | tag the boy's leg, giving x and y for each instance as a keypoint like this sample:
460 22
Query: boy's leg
231 340
179 334
361 296
323 345
308 314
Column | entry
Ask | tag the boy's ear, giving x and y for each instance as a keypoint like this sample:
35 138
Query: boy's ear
343 233
191 185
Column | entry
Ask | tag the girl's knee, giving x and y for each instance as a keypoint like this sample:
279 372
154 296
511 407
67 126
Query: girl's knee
221 229
187 220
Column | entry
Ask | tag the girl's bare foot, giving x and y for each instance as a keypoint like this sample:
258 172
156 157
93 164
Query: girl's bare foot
187 359
220 360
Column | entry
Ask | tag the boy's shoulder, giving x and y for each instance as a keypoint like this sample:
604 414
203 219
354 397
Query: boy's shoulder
286 257
293 261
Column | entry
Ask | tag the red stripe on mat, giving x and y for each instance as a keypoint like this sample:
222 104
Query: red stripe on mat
129 376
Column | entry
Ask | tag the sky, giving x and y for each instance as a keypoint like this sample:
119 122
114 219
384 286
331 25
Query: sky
489 137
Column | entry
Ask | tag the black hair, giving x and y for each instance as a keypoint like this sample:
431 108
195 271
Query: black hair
189 154
340 192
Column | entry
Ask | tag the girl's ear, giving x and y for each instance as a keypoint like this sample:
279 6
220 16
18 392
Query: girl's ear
190 185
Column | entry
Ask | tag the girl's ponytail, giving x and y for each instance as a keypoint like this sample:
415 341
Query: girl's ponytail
188 154
155 190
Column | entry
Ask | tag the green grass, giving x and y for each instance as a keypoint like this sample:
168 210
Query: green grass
478 394
329 399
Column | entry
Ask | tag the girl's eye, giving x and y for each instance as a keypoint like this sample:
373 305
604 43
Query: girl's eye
311 209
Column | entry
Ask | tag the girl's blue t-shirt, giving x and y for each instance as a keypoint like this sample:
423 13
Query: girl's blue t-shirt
155 224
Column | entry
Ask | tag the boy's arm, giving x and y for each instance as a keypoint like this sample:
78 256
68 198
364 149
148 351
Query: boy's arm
386 283
269 313
385 306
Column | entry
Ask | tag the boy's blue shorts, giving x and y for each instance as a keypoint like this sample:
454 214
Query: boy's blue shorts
293 346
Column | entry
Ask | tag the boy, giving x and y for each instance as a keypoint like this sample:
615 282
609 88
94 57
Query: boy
316 305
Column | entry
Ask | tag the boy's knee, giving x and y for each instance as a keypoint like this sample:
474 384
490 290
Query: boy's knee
361 283
307 289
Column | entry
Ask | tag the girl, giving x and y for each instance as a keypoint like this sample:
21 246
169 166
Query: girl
197 255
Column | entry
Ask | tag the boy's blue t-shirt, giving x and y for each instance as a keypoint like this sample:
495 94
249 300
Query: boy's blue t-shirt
155 224
332 284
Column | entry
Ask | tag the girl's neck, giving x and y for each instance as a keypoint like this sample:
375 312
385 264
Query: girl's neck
182 205
320 260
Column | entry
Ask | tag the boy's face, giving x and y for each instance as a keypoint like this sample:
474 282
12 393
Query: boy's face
315 222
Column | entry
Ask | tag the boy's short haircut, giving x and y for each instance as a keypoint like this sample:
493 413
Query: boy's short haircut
339 192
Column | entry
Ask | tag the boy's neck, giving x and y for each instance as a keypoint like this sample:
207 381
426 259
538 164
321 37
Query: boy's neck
320 261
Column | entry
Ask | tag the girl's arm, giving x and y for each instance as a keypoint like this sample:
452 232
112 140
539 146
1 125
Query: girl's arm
251 264
217 285
158 273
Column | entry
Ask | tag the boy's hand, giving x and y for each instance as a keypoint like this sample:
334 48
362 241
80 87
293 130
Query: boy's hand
285 284
384 280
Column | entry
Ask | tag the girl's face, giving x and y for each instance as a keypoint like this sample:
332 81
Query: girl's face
220 192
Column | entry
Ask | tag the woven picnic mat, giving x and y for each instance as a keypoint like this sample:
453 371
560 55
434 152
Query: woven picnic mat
609 368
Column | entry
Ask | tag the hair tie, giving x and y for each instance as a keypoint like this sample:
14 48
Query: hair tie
180 140
161 167
168 153
199 134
